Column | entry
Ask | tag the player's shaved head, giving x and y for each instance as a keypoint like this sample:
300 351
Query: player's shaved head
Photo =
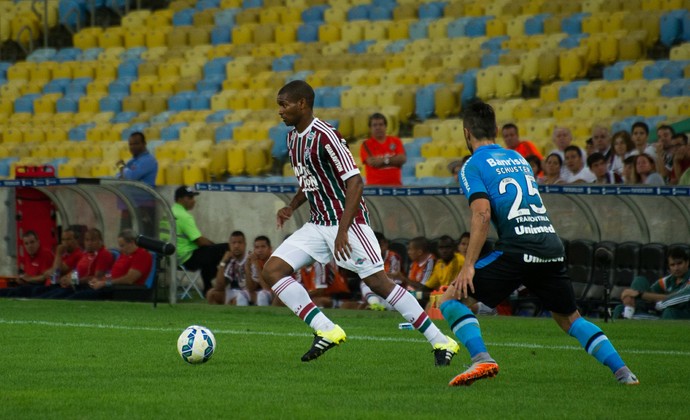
298 89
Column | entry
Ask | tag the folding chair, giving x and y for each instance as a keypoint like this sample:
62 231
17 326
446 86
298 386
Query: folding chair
187 280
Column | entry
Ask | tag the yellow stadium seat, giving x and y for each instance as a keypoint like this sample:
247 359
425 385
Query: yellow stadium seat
135 37
56 134
199 36
329 32
571 64
399 29
235 158
486 82
248 16
508 82
110 39
174 173
652 89
585 109
89 104
647 109
563 110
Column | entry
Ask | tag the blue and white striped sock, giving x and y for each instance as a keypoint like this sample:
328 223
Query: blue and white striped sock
464 325
595 342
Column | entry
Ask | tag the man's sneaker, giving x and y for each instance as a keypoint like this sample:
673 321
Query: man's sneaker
324 341
630 379
443 353
375 306
477 371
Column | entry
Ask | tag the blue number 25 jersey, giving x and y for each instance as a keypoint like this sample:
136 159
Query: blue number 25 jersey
505 178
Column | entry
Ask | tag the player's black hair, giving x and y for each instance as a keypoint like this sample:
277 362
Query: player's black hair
594 158
237 233
30 233
298 89
575 148
678 253
446 238
75 231
378 116
480 119
263 238
510 125
140 135
95 233
643 125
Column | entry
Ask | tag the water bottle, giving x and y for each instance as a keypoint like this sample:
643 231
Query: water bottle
75 278
55 277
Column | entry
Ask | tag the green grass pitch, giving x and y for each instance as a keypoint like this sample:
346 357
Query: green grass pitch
110 360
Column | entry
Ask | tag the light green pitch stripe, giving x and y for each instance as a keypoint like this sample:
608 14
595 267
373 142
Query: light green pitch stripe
355 337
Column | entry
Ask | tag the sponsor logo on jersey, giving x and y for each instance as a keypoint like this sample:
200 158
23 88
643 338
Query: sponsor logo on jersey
334 157
306 179
533 230
534 259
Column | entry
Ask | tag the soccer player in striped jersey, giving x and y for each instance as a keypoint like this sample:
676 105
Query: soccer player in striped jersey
338 228
500 187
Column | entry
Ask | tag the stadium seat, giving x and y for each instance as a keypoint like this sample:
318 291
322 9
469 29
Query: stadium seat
652 261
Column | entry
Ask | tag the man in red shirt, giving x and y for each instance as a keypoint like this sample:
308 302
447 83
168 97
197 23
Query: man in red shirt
95 262
34 265
131 268
383 155
511 138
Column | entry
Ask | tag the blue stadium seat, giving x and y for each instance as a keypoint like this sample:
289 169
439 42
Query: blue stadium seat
385 3
654 121
162 117
26 103
110 104
124 117
573 41
535 25
225 17
201 101
492 58
129 68
361 47
685 35
570 90
252 4
119 87
78 133
476 26
184 17
57 86
71 13
213 84
278 134
91 54
359 12
673 88
433 10
674 70
218 116
424 101
225 132
180 101
4 65
308 32
67 104
133 53
686 87
572 25
469 88
284 63
671 28
5 165
494 43
216 67
221 35
40 55
396 46
207 4
380 13
172 132
457 27
615 72
330 98
333 122
419 29
314 13
67 54
654 71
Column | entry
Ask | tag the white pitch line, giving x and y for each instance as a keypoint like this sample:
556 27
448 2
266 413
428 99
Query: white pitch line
356 337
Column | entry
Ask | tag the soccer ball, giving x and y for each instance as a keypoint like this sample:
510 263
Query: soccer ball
196 344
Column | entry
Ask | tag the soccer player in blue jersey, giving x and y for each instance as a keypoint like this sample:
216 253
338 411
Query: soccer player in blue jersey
500 187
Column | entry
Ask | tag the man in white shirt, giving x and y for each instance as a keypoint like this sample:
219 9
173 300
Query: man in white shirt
575 164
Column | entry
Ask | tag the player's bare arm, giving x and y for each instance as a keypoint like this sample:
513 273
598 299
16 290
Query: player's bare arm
353 195
479 229
285 213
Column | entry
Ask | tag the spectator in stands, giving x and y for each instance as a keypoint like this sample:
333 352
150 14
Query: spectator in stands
392 263
446 267
230 287
622 148
143 166
629 169
260 293
599 167
665 149
463 243
578 171
553 168
96 261
562 138
383 155
35 267
601 138
421 263
535 163
670 295
455 166
589 147
132 268
644 171
640 136
681 156
511 138
194 251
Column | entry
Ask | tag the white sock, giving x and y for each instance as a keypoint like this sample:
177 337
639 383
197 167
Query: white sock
369 296
410 309
263 298
295 297
628 312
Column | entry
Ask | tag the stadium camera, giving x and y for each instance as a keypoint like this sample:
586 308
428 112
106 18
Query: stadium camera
154 245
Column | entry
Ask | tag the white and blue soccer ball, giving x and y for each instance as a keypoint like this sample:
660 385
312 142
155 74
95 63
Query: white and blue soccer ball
196 344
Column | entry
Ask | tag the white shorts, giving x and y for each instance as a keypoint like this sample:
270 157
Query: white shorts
241 296
316 243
